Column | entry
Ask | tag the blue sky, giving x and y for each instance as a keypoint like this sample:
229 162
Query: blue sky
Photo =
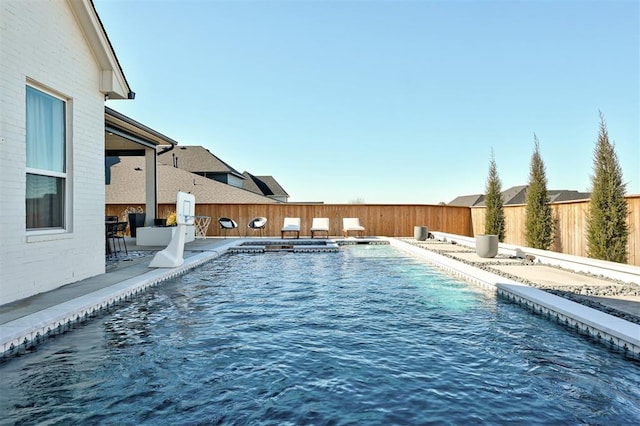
386 101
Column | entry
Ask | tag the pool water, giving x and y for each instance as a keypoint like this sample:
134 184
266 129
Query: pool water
366 335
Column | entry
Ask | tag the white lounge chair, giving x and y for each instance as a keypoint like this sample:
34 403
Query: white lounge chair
291 224
320 224
352 224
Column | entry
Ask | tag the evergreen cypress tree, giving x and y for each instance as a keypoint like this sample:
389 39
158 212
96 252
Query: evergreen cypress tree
494 223
539 221
607 228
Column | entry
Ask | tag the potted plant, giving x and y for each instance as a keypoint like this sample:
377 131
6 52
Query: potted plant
172 219
137 219
494 225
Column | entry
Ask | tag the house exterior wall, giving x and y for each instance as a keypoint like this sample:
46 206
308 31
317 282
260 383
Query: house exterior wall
227 178
43 43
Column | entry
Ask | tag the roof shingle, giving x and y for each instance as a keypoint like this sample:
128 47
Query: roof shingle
265 185
196 159
517 195
127 183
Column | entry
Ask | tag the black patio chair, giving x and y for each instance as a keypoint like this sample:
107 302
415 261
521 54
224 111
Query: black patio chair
116 232
226 224
258 224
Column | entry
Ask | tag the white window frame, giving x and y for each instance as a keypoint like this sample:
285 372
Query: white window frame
65 175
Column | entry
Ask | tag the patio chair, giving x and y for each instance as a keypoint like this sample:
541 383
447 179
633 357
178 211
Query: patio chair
320 224
116 232
226 224
352 224
291 224
258 223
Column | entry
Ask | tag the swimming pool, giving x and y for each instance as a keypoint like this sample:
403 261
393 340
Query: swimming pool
366 335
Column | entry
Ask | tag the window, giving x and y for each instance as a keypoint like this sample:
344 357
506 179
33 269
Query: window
46 160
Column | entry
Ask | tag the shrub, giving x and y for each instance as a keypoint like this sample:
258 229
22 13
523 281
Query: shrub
607 228
539 221
494 223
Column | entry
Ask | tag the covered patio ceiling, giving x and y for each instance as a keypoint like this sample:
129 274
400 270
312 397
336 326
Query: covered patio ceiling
125 136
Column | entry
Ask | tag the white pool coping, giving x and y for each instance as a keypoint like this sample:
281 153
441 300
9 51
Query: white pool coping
607 329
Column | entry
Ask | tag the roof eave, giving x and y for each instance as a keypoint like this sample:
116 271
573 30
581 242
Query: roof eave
113 82
121 121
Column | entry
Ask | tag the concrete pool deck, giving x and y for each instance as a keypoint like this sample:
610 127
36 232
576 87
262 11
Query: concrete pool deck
553 278
28 321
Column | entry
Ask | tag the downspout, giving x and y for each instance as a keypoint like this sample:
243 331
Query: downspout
171 147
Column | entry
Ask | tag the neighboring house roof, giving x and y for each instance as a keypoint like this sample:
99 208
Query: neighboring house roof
466 200
112 80
127 186
517 195
265 185
566 195
197 159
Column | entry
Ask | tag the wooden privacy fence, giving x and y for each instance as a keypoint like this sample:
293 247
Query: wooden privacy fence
398 220
378 219
570 220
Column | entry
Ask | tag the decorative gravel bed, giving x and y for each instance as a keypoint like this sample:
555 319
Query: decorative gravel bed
575 292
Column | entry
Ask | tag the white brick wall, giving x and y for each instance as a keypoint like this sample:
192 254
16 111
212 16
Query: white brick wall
42 42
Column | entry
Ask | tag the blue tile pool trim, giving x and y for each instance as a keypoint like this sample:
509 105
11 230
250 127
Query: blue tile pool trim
296 246
614 332
302 245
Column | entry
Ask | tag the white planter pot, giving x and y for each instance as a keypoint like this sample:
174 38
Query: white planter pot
420 233
487 245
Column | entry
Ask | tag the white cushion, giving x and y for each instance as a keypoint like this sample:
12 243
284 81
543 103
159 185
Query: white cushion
291 224
320 224
352 224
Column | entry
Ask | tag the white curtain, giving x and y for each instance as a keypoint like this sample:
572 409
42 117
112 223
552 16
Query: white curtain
45 123
45 131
